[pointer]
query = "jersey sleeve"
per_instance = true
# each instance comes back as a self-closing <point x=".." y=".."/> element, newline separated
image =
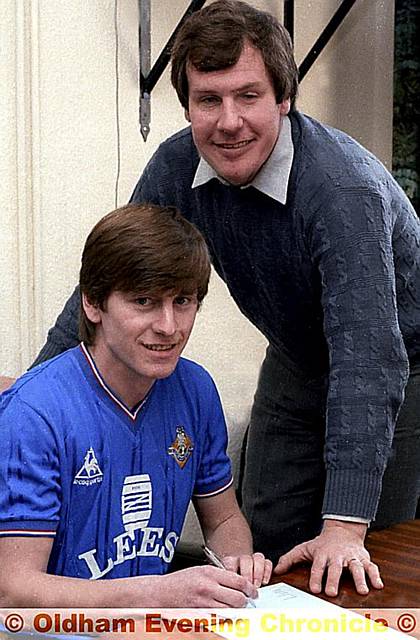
<point x="29" y="472"/>
<point x="215" y="472"/>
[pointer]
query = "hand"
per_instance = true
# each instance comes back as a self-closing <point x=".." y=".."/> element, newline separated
<point x="339" y="545"/>
<point x="206" y="587"/>
<point x="5" y="383"/>
<point x="256" y="568"/>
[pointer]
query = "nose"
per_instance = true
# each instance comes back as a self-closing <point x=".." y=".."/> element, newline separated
<point x="165" y="321"/>
<point x="230" y="118"/>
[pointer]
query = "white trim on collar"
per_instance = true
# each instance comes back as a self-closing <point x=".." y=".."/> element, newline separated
<point x="273" y="177"/>
<point x="101" y="381"/>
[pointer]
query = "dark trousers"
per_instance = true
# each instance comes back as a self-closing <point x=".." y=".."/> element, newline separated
<point x="284" y="475"/>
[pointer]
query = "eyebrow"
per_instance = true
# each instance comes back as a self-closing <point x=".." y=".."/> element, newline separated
<point x="245" y="87"/>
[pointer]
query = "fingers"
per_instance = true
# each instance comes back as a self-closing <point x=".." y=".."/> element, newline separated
<point x="262" y="568"/>
<point x="246" y="567"/>
<point x="317" y="573"/>
<point x="235" y="588"/>
<point x="256" y="568"/>
<point x="231" y="563"/>
<point x="210" y="586"/>
<point x="268" y="570"/>
<point x="287" y="560"/>
<point x="359" y="570"/>
<point x="372" y="570"/>
<point x="335" y="569"/>
<point x="337" y="547"/>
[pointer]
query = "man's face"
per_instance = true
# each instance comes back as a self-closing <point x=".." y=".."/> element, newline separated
<point x="234" y="116"/>
<point x="140" y="338"/>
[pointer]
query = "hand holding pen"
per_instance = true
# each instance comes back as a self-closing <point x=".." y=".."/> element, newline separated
<point x="255" y="567"/>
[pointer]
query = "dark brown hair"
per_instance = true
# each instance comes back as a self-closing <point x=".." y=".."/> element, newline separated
<point x="213" y="39"/>
<point x="141" y="249"/>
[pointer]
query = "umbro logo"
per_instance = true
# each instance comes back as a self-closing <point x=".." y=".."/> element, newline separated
<point x="90" y="472"/>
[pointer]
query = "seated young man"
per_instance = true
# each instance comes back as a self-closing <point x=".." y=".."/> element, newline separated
<point x="104" y="446"/>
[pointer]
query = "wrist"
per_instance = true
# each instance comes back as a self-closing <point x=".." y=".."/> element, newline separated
<point x="145" y="591"/>
<point x="356" y="528"/>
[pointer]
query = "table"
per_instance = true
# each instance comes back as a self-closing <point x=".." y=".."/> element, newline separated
<point x="397" y="552"/>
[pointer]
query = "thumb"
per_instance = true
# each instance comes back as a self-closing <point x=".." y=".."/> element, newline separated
<point x="231" y="563"/>
<point x="287" y="560"/>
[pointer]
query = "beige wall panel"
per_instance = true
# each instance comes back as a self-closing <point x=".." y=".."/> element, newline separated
<point x="350" y="84"/>
<point x="9" y="310"/>
<point x="19" y="183"/>
<point x="77" y="130"/>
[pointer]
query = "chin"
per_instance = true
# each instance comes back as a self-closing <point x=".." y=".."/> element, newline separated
<point x="238" y="179"/>
<point x="164" y="372"/>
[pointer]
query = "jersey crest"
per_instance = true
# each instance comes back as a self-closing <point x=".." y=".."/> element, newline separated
<point x="89" y="472"/>
<point x="181" y="448"/>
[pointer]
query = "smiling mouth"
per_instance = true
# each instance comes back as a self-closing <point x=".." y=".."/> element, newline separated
<point x="159" y="347"/>
<point x="236" y="145"/>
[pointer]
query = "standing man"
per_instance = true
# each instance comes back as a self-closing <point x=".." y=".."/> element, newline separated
<point x="104" y="446"/>
<point x="320" y="248"/>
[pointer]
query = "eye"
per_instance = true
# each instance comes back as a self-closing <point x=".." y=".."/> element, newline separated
<point x="186" y="300"/>
<point x="248" y="96"/>
<point x="209" y="101"/>
<point x="182" y="300"/>
<point x="143" y="301"/>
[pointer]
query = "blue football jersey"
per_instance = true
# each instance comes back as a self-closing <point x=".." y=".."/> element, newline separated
<point x="111" y="485"/>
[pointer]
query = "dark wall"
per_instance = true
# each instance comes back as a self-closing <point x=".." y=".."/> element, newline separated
<point x="406" y="98"/>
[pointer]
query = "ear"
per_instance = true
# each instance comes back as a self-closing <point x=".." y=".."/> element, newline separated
<point x="91" y="310"/>
<point x="187" y="115"/>
<point x="284" y="107"/>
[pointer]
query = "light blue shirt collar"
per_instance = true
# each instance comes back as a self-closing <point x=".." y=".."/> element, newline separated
<point x="273" y="177"/>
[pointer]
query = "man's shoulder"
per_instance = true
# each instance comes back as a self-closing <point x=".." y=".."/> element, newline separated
<point x="45" y="384"/>
<point x="327" y="145"/>
<point x="331" y="158"/>
<point x="192" y="368"/>
<point x="323" y="141"/>
<point x="169" y="173"/>
<point x="195" y="376"/>
<point x="178" y="145"/>
<point x="181" y="137"/>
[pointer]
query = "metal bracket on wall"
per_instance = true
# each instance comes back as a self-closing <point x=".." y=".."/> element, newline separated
<point x="150" y="76"/>
<point x="145" y="53"/>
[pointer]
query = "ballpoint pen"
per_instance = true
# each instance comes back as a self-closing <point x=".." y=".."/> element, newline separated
<point x="214" y="559"/>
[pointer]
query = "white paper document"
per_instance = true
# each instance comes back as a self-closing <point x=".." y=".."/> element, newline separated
<point x="283" y="611"/>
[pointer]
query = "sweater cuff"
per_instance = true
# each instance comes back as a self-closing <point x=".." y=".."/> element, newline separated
<point x="351" y="493"/>
<point x="356" y="519"/>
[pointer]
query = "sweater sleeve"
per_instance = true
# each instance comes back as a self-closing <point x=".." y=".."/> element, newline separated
<point x="65" y="332"/>
<point x="351" y="243"/>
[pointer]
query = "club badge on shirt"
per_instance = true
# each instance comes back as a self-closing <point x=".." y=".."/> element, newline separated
<point x="181" y="448"/>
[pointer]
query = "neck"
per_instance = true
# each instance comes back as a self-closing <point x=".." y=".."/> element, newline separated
<point x="126" y="384"/>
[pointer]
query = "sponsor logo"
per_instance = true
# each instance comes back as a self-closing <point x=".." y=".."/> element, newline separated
<point x="138" y="539"/>
<point x="90" y="472"/>
<point x="136" y="502"/>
